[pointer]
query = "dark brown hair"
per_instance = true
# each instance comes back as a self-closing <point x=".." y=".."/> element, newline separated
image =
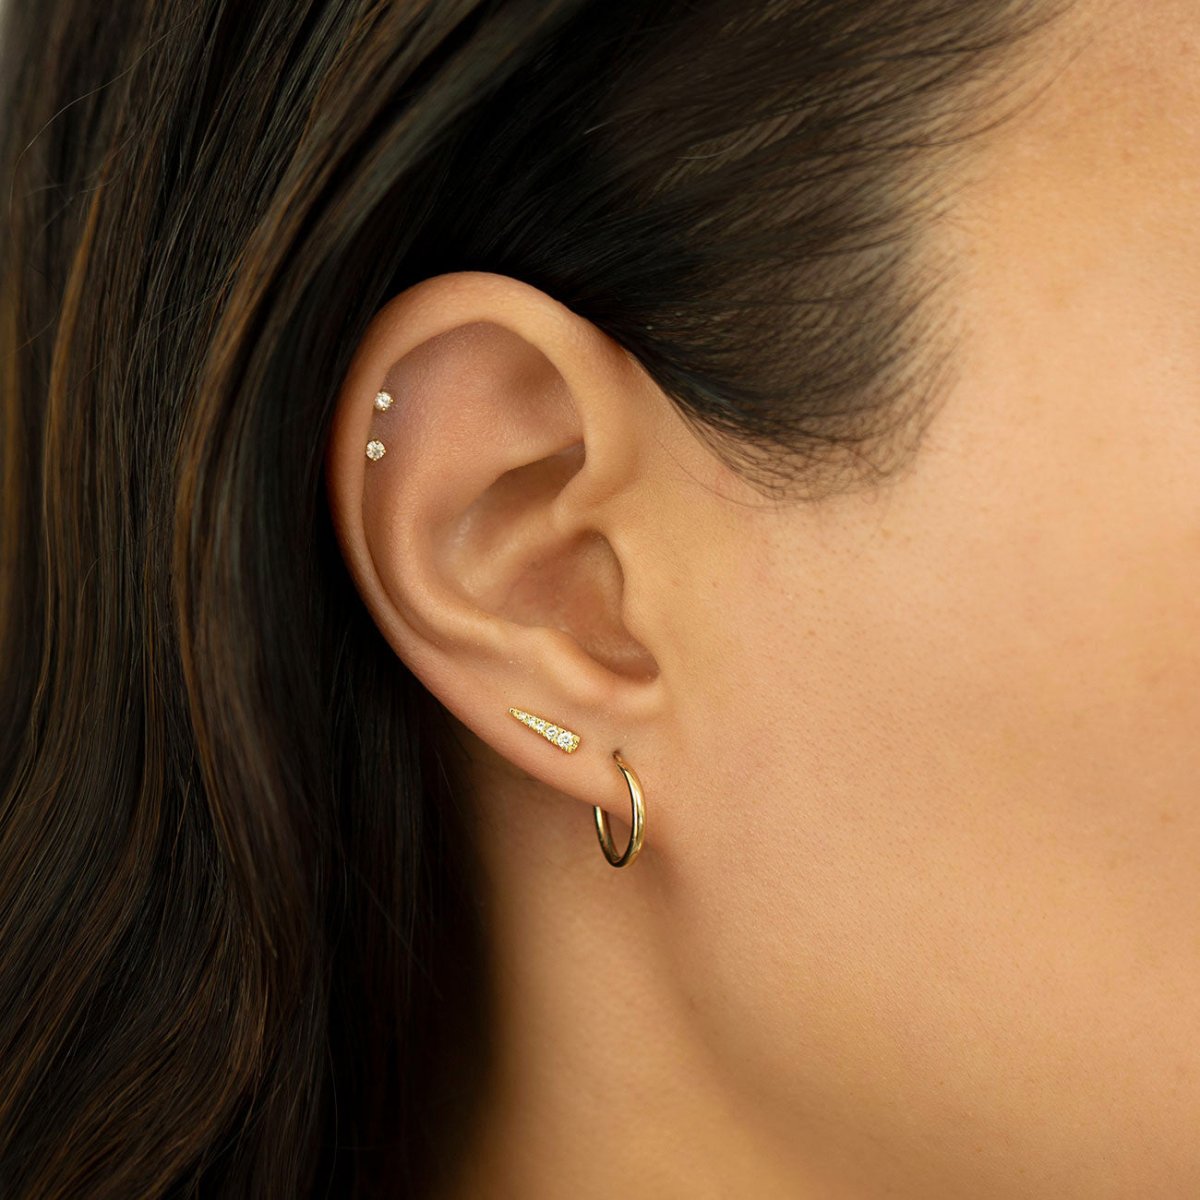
<point x="238" y="949"/>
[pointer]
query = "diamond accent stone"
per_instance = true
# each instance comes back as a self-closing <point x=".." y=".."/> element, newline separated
<point x="383" y="401"/>
<point x="376" y="450"/>
<point x="564" y="739"/>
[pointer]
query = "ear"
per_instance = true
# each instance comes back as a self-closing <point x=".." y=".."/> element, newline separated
<point x="504" y="540"/>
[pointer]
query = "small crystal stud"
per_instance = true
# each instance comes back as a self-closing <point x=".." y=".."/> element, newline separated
<point x="383" y="401"/>
<point x="376" y="450"/>
<point x="564" y="739"/>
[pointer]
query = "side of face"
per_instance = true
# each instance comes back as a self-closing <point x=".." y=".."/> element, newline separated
<point x="921" y="760"/>
<point x="942" y="752"/>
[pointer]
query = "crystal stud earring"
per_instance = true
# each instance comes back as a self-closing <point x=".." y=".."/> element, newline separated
<point x="564" y="739"/>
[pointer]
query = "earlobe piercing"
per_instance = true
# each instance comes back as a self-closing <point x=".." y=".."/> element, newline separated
<point x="375" y="450"/>
<point x="383" y="401"/>
<point x="564" y="739"/>
<point x="637" y="798"/>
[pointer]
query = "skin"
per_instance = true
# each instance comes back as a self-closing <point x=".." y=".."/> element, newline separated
<point x="918" y="910"/>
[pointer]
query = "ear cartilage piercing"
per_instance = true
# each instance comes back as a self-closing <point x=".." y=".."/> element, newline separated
<point x="564" y="739"/>
<point x="376" y="450"/>
<point x="383" y="401"/>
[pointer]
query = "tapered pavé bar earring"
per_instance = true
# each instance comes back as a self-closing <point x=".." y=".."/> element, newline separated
<point x="564" y="739"/>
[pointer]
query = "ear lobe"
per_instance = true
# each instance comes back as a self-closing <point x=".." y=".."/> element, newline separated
<point x="485" y="539"/>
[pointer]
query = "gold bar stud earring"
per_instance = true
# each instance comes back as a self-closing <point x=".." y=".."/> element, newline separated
<point x="564" y="739"/>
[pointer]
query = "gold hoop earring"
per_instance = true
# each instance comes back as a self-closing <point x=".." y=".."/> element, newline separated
<point x="637" y="799"/>
<point x="564" y="739"/>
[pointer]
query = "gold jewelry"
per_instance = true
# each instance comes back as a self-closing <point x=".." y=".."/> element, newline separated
<point x="383" y="401"/>
<point x="375" y="450"/>
<point x="638" y="799"/>
<point x="565" y="740"/>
